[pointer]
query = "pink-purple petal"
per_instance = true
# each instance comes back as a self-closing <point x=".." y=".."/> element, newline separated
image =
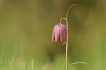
<point x="59" y="32"/>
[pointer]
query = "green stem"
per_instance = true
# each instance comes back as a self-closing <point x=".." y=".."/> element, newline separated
<point x="67" y="35"/>
<point x="67" y="66"/>
<point x="77" y="63"/>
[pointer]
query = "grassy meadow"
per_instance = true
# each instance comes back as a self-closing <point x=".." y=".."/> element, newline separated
<point x="26" y="34"/>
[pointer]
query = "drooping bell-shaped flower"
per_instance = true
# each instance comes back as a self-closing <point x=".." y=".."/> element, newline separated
<point x="59" y="33"/>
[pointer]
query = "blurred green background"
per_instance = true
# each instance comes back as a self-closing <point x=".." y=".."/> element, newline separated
<point x="26" y="31"/>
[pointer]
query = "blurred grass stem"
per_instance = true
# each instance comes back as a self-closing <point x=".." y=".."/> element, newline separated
<point x="2" y="54"/>
<point x="77" y="63"/>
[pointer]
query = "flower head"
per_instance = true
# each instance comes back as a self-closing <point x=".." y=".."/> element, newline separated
<point x="59" y="33"/>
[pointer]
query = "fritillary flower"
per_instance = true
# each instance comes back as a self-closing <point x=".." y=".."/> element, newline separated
<point x="59" y="33"/>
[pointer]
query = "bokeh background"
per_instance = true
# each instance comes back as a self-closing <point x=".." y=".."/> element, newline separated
<point x="26" y="32"/>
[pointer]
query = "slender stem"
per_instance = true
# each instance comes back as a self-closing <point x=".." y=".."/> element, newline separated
<point x="62" y="19"/>
<point x="66" y="55"/>
<point x="67" y="35"/>
<point x="67" y="66"/>
<point x="77" y="63"/>
<point x="68" y="10"/>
